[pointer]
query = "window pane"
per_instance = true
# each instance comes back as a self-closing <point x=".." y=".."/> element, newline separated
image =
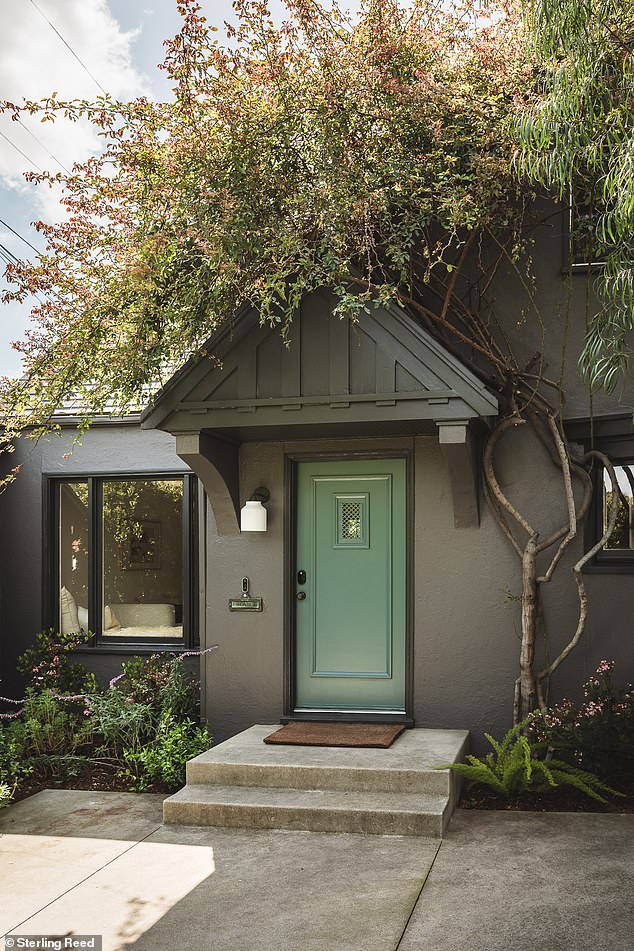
<point x="142" y="558"/>
<point x="623" y="534"/>
<point x="586" y="246"/>
<point x="73" y="556"/>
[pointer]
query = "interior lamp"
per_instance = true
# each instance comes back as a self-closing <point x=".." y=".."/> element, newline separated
<point x="253" y="513"/>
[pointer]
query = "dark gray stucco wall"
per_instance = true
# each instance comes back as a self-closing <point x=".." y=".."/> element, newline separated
<point x="467" y="581"/>
<point x="467" y="610"/>
<point x="466" y="614"/>
<point x="20" y="560"/>
<point x="104" y="449"/>
<point x="541" y="307"/>
<point x="245" y="675"/>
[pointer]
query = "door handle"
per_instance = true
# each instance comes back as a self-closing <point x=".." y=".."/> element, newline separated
<point x="301" y="595"/>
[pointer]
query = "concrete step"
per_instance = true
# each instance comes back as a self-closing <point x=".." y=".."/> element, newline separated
<point x="406" y="766"/>
<point x="310" y="810"/>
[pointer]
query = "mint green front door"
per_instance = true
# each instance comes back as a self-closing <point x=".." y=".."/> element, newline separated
<point x="350" y="586"/>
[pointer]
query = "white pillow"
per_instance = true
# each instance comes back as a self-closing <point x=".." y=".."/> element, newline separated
<point x="68" y="610"/>
<point x="110" y="620"/>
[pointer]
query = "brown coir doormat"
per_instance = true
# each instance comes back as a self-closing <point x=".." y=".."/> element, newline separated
<point x="300" y="733"/>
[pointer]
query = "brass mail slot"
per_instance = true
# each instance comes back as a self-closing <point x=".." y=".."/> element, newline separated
<point x="245" y="604"/>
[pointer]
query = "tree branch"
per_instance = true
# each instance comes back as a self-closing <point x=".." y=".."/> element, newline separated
<point x="571" y="530"/>
<point x="491" y="479"/>
<point x="456" y="273"/>
<point x="497" y="514"/>
<point x="578" y="568"/>
<point x="538" y="428"/>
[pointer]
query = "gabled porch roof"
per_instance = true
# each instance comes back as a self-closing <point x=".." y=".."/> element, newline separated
<point x="382" y="375"/>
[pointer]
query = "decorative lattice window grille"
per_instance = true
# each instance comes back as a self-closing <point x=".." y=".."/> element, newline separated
<point x="351" y="521"/>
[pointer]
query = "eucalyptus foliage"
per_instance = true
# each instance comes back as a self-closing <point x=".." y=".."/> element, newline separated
<point x="577" y="138"/>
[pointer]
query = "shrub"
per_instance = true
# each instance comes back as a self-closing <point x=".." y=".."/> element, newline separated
<point x="160" y="681"/>
<point x="115" y="722"/>
<point x="48" y="665"/>
<point x="46" y="726"/>
<point x="144" y="725"/>
<point x="597" y="734"/>
<point x="516" y="768"/>
<point x="13" y="768"/>
<point x="50" y="734"/>
<point x="164" y="759"/>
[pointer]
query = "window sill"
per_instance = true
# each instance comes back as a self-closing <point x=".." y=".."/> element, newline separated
<point x="133" y="649"/>
<point x="580" y="270"/>
<point x="610" y="568"/>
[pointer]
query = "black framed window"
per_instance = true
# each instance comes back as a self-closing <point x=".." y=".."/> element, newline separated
<point x="619" y="551"/>
<point x="614" y="436"/>
<point x="583" y="247"/>
<point x="122" y="558"/>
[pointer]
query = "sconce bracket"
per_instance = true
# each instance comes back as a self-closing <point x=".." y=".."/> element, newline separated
<point x="261" y="494"/>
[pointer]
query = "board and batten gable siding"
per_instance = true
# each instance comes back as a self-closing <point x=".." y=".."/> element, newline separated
<point x="378" y="374"/>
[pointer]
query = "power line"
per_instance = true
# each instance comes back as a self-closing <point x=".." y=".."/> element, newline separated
<point x="7" y="256"/>
<point x="41" y="144"/>
<point x="18" y="235"/>
<point x="69" y="47"/>
<point x="6" y="251"/>
<point x="23" y="154"/>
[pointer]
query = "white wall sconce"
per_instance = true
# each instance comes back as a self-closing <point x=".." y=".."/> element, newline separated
<point x="253" y="513"/>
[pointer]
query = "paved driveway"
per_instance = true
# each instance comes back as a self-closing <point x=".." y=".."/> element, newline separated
<point x="81" y="863"/>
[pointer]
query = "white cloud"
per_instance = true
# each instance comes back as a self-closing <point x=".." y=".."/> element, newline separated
<point x="35" y="62"/>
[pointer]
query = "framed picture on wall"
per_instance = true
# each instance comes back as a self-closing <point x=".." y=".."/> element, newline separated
<point x="142" y="548"/>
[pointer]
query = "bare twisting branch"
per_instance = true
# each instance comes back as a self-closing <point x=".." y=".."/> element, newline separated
<point x="489" y="472"/>
<point x="570" y="502"/>
<point x="578" y="571"/>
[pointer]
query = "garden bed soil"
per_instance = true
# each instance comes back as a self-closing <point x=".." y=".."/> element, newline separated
<point x="98" y="778"/>
<point x="101" y="778"/>
<point x="560" y="800"/>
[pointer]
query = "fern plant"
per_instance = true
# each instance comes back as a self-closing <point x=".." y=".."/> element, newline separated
<point x="516" y="767"/>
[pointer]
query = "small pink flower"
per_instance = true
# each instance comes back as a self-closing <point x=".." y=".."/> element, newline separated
<point x="605" y="667"/>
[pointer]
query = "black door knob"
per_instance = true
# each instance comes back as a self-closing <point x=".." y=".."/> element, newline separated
<point x="301" y="595"/>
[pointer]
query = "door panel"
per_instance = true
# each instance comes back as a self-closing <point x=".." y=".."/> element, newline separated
<point x="351" y="610"/>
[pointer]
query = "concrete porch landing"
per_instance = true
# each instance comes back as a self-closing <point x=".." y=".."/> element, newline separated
<point x="246" y="783"/>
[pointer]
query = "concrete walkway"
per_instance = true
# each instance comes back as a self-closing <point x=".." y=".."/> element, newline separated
<point x="84" y="863"/>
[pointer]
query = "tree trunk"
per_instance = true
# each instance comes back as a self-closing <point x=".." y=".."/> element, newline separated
<point x="529" y="688"/>
<point x="529" y="629"/>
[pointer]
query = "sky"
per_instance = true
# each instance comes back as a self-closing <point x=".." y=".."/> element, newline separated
<point x="120" y="42"/>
